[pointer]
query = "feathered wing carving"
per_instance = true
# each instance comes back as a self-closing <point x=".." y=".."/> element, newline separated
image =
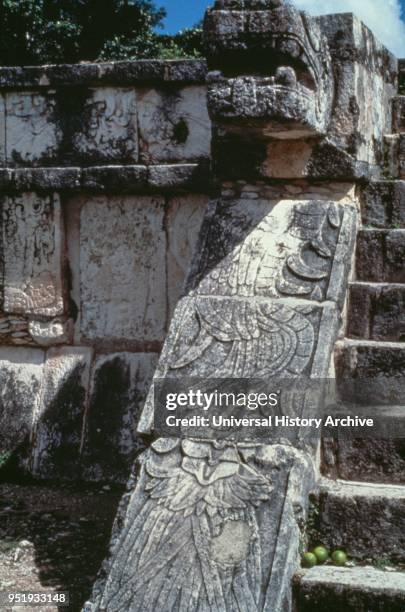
<point x="264" y="338"/>
<point x="191" y="541"/>
<point x="174" y="554"/>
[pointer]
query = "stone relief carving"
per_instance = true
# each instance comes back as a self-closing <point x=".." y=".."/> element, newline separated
<point x="272" y="69"/>
<point x="33" y="136"/>
<point x="202" y="530"/>
<point x="109" y="126"/>
<point x="196" y="496"/>
<point x="32" y="255"/>
<point x="266" y="249"/>
<point x="173" y="125"/>
<point x="242" y="338"/>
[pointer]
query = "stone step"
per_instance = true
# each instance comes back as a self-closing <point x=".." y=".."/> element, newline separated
<point x="366" y="520"/>
<point x="376" y="311"/>
<point x="398" y="114"/>
<point x="383" y="204"/>
<point x="368" y="359"/>
<point x="395" y="155"/>
<point x="380" y="256"/>
<point x="370" y="373"/>
<point x="357" y="589"/>
<point x="401" y="76"/>
<point x="377" y="459"/>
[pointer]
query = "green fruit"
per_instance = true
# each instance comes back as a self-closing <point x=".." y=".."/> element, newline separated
<point x="321" y="554"/>
<point x="308" y="559"/>
<point x="339" y="557"/>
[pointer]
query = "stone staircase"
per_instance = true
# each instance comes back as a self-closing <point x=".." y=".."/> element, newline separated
<point x="360" y="503"/>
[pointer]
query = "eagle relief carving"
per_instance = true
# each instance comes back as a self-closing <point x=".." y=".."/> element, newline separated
<point x="175" y="554"/>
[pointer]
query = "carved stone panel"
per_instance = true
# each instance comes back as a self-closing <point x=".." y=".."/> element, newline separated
<point x="273" y="249"/>
<point x="33" y="252"/>
<point x="174" y="125"/>
<point x="256" y="338"/>
<point x="108" y="127"/>
<point x="208" y="528"/>
<point x="33" y="132"/>
<point x="123" y="269"/>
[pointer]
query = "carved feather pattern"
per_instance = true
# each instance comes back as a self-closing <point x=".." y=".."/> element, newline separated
<point x="263" y="337"/>
<point x="173" y="554"/>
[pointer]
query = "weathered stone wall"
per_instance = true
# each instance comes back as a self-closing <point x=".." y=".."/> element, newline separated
<point x="104" y="182"/>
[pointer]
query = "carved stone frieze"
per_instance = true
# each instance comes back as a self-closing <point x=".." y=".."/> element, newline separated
<point x="33" y="134"/>
<point x="268" y="248"/>
<point x="108" y="127"/>
<point x="32" y="254"/>
<point x="271" y="69"/>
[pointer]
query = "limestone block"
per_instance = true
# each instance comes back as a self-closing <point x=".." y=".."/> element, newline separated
<point x="359" y="122"/>
<point x="355" y="588"/>
<point x="370" y="373"/>
<point x="184" y="220"/>
<point x="33" y="254"/>
<point x="59" y="421"/>
<point x="380" y="256"/>
<point x="123" y="269"/>
<point x="2" y="131"/>
<point x="173" y="125"/>
<point x="399" y="114"/>
<point x="33" y="134"/>
<point x="367" y="460"/>
<point x="48" y="333"/>
<point x="119" y="385"/>
<point x="377" y="312"/>
<point x="383" y="204"/>
<point x="363" y="519"/>
<point x="274" y="248"/>
<point x="108" y="127"/>
<point x="21" y="372"/>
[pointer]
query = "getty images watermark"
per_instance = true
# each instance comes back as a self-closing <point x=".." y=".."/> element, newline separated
<point x="253" y="409"/>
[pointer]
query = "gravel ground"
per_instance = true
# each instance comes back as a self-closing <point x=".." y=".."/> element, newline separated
<point x="54" y="538"/>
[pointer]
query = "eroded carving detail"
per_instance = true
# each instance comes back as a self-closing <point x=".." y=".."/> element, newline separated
<point x="109" y="126"/>
<point x="176" y="555"/>
<point x="272" y="70"/>
<point x="270" y="250"/>
<point x="32" y="255"/>
<point x="33" y="136"/>
<point x="243" y="338"/>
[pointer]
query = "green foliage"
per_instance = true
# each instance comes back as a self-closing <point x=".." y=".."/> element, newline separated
<point x="56" y="31"/>
<point x="4" y="457"/>
<point x="382" y="563"/>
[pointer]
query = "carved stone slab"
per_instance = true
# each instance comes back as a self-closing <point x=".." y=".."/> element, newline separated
<point x="108" y="127"/>
<point x="272" y="249"/>
<point x="173" y="125"/>
<point x="33" y="246"/>
<point x="33" y="132"/>
<point x="173" y="551"/>
<point x="123" y="269"/>
<point x="214" y="525"/>
<point x="257" y="338"/>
